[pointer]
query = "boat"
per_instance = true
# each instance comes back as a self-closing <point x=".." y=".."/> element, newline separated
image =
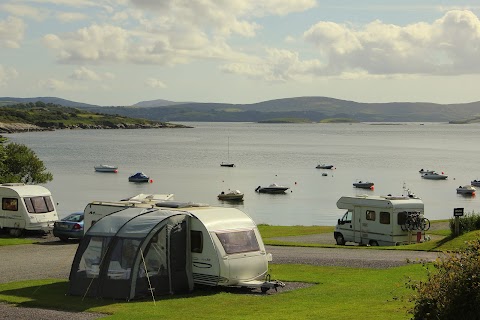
<point x="468" y="189"/>
<point x="363" y="184"/>
<point x="228" y="163"/>
<point x="138" y="177"/>
<point x="426" y="171"/>
<point x="324" y="166"/>
<point x="273" y="188"/>
<point x="475" y="183"/>
<point x="434" y="176"/>
<point x="106" y="168"/>
<point x="234" y="195"/>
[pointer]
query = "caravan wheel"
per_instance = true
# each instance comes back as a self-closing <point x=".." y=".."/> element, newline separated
<point x="15" y="232"/>
<point x="340" y="239"/>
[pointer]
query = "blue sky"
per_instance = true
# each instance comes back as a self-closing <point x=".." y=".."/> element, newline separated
<point x="119" y="52"/>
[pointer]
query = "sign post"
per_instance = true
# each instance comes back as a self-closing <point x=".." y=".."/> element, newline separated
<point x="457" y="213"/>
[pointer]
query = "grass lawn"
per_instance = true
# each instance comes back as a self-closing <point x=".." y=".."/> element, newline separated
<point x="337" y="293"/>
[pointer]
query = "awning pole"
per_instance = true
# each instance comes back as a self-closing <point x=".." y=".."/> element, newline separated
<point x="148" y="278"/>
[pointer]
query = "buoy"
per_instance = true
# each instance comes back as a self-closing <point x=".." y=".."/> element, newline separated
<point x="116" y="171"/>
<point x="372" y="188"/>
<point x="151" y="180"/>
<point x="295" y="182"/>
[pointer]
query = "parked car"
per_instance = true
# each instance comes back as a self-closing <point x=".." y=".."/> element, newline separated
<point x="70" y="227"/>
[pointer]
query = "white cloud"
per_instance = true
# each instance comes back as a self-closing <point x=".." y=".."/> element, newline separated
<point x="95" y="43"/>
<point x="85" y="74"/>
<point x="7" y="74"/>
<point x="449" y="45"/>
<point x="155" y="83"/>
<point x="71" y="16"/>
<point x="56" y="85"/>
<point x="12" y="30"/>
<point x="277" y="66"/>
<point x="21" y="10"/>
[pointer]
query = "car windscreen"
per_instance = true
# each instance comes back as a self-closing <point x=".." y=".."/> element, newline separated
<point x="238" y="241"/>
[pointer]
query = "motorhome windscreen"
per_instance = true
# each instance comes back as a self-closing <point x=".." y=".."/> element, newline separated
<point x="238" y="241"/>
<point x="39" y="204"/>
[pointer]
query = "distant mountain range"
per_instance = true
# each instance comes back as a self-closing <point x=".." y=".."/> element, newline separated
<point x="311" y="109"/>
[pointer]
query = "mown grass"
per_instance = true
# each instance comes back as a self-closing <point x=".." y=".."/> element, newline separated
<point x="335" y="293"/>
<point x="15" y="241"/>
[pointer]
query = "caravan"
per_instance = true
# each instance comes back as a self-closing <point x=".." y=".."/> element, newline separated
<point x="26" y="207"/>
<point x="380" y="220"/>
<point x="225" y="246"/>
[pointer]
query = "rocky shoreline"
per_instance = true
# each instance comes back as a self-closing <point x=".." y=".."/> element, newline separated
<point x="26" y="127"/>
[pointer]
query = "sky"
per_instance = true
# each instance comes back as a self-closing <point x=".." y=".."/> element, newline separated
<point x="120" y="52"/>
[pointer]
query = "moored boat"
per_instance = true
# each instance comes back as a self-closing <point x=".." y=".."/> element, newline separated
<point x="106" y="168"/>
<point x="324" y="166"/>
<point x="468" y="189"/>
<point x="273" y="188"/>
<point x="434" y="176"/>
<point x="363" y="184"/>
<point x="139" y="177"/>
<point x="234" y="195"/>
<point x="426" y="171"/>
<point x="475" y="183"/>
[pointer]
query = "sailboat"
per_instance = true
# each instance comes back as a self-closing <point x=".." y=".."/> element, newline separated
<point x="228" y="163"/>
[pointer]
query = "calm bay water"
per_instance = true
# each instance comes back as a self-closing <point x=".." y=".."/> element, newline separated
<point x="186" y="162"/>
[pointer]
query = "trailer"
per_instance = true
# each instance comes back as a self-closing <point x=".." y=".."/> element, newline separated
<point x="225" y="246"/>
<point x="380" y="220"/>
<point x="26" y="207"/>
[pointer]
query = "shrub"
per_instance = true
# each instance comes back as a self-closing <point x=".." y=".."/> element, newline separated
<point x="469" y="222"/>
<point x="452" y="290"/>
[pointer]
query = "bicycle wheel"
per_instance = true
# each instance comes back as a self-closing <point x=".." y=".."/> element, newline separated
<point x="425" y="224"/>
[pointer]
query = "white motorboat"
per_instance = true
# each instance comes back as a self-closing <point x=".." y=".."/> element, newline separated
<point x="475" y="183"/>
<point x="234" y="195"/>
<point x="273" y="188"/>
<point x="363" y="184"/>
<point x="106" y="168"/>
<point x="468" y="189"/>
<point x="434" y="176"/>
<point x="422" y="171"/>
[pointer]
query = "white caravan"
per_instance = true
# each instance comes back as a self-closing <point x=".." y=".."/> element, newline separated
<point x="378" y="220"/>
<point x="26" y="207"/>
<point x="226" y="246"/>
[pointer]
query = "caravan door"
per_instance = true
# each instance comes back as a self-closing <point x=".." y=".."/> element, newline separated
<point x="361" y="223"/>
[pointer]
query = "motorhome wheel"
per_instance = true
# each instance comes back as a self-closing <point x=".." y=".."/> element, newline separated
<point x="373" y="243"/>
<point x="340" y="239"/>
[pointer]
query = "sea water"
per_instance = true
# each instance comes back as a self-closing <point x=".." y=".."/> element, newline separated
<point x="186" y="162"/>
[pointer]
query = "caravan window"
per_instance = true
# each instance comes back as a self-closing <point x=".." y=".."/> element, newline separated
<point x="196" y="241"/>
<point x="39" y="204"/>
<point x="385" y="217"/>
<point x="370" y="215"/>
<point x="10" y="204"/>
<point x="238" y="241"/>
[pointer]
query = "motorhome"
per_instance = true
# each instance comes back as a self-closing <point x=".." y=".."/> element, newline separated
<point x="226" y="247"/>
<point x="26" y="207"/>
<point x="380" y="220"/>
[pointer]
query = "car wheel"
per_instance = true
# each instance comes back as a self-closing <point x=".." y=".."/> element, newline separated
<point x="64" y="239"/>
<point x="340" y="239"/>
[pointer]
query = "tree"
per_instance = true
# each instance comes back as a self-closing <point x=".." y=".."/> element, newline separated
<point x="20" y="164"/>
